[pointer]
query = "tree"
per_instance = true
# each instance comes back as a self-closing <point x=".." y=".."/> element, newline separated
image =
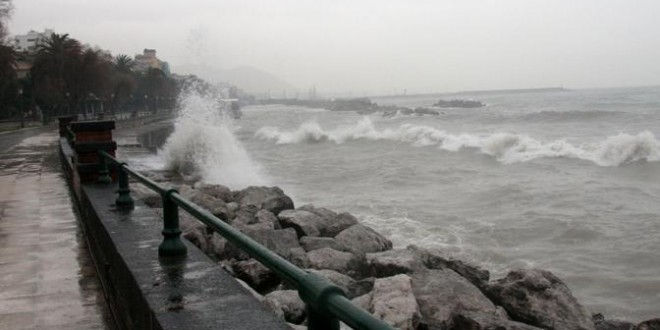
<point x="9" y="84"/>
<point x="6" y="9"/>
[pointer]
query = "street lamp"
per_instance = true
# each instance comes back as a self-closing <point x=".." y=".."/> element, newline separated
<point x="20" y="107"/>
<point x="146" y="103"/>
<point x="68" y="103"/>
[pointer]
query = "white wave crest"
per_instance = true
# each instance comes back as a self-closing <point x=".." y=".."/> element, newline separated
<point x="203" y="145"/>
<point x="505" y="147"/>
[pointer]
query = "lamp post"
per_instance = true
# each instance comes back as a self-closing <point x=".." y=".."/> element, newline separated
<point x="146" y="103"/>
<point x="112" y="104"/>
<point x="20" y="107"/>
<point x="68" y="103"/>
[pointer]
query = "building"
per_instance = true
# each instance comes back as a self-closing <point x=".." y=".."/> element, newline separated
<point x="148" y="60"/>
<point x="29" y="42"/>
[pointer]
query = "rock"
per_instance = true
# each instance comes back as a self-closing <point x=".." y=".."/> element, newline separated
<point x="442" y="292"/>
<point x="245" y="216"/>
<point x="652" y="324"/>
<point x="341" y="222"/>
<point x="310" y="243"/>
<point x="197" y="238"/>
<point x="304" y="222"/>
<point x="322" y="212"/>
<point x="255" y="274"/>
<point x="216" y="190"/>
<point x="393" y="262"/>
<point x="216" y="206"/>
<point x="361" y="287"/>
<point x="298" y="257"/>
<point x="393" y="302"/>
<point x="435" y="259"/>
<point x="484" y="321"/>
<point x="267" y="219"/>
<point x="363" y="301"/>
<point x="218" y="247"/>
<point x="272" y="199"/>
<point x="286" y="304"/>
<point x="343" y="262"/>
<point x="602" y="324"/>
<point x="539" y="298"/>
<point x="343" y="281"/>
<point x="361" y="239"/>
<point x="280" y="241"/>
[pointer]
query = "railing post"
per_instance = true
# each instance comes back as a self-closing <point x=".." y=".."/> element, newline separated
<point x="104" y="173"/>
<point x="319" y="321"/>
<point x="172" y="246"/>
<point x="124" y="200"/>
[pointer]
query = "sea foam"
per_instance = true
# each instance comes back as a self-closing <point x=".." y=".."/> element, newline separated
<point x="203" y="144"/>
<point x="506" y="147"/>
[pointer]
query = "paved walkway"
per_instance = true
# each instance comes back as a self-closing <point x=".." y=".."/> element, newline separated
<point x="47" y="280"/>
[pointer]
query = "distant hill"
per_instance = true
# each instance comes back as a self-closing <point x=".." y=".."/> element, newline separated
<point x="517" y="91"/>
<point x="247" y="78"/>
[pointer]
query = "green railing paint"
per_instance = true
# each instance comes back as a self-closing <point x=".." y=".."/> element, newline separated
<point x="326" y="303"/>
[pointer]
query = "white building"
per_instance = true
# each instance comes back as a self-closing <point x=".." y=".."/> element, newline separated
<point x="29" y="42"/>
<point x="148" y="60"/>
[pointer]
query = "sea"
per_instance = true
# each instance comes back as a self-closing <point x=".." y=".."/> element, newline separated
<point x="567" y="181"/>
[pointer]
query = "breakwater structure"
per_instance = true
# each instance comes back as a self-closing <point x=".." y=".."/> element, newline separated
<point x="294" y="266"/>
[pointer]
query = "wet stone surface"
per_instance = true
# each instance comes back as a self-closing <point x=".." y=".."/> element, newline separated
<point x="47" y="279"/>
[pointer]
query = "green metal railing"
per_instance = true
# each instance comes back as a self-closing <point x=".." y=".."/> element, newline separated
<point x="326" y="303"/>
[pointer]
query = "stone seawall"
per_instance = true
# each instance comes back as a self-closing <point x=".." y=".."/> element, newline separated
<point x="146" y="292"/>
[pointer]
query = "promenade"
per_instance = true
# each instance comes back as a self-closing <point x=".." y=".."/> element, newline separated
<point x="47" y="279"/>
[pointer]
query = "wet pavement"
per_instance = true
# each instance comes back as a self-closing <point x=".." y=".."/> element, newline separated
<point x="47" y="279"/>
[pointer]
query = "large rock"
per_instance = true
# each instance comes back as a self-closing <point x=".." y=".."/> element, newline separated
<point x="338" y="224"/>
<point x="602" y="324"/>
<point x="310" y="243"/>
<point x="322" y="212"/>
<point x="436" y="259"/>
<point x="393" y="302"/>
<point x="345" y="282"/>
<point x="484" y="321"/>
<point x="268" y="198"/>
<point x="539" y="298"/>
<point x="298" y="257"/>
<point x="304" y="222"/>
<point x="287" y="305"/>
<point x="343" y="262"/>
<point x="442" y="292"/>
<point x="216" y="206"/>
<point x="652" y="324"/>
<point x="393" y="262"/>
<point x="255" y="274"/>
<point x="216" y="190"/>
<point x="363" y="301"/>
<point x="360" y="239"/>
<point x="267" y="219"/>
<point x="280" y="241"/>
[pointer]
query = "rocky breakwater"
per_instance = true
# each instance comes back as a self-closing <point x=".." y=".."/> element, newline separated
<point x="410" y="288"/>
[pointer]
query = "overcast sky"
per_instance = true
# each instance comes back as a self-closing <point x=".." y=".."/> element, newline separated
<point x="379" y="46"/>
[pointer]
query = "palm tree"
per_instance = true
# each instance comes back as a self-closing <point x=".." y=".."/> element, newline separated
<point x="124" y="63"/>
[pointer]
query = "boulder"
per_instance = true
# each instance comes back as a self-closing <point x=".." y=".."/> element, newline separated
<point x="393" y="301"/>
<point x="337" y="278"/>
<point x="392" y="262"/>
<point x="216" y="190"/>
<point x="287" y="305"/>
<point x="484" y="321"/>
<point x="363" y="301"/>
<point x="304" y="222"/>
<point x="322" y="212"/>
<point x="218" y="247"/>
<point x="343" y="262"/>
<point x="436" y="259"/>
<point x="298" y="257"/>
<point x="442" y="292"/>
<point x="267" y="219"/>
<point x="197" y="238"/>
<point x="245" y="216"/>
<point x="247" y="287"/>
<point x="268" y="198"/>
<point x="280" y="241"/>
<point x="255" y="274"/>
<point x="652" y="324"/>
<point x="539" y="298"/>
<point x="361" y="287"/>
<point x="147" y="196"/>
<point x="310" y="243"/>
<point x="338" y="224"/>
<point x="602" y="324"/>
<point x="360" y="239"/>
<point x="216" y="206"/>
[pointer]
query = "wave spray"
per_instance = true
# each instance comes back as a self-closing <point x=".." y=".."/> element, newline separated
<point x="203" y="145"/>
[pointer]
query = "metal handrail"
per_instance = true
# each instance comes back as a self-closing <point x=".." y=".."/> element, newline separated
<point x="326" y="302"/>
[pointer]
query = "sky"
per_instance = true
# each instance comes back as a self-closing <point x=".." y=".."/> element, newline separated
<point x="379" y="47"/>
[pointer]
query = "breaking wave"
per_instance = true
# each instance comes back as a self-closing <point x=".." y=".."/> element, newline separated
<point x="203" y="145"/>
<point x="505" y="147"/>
